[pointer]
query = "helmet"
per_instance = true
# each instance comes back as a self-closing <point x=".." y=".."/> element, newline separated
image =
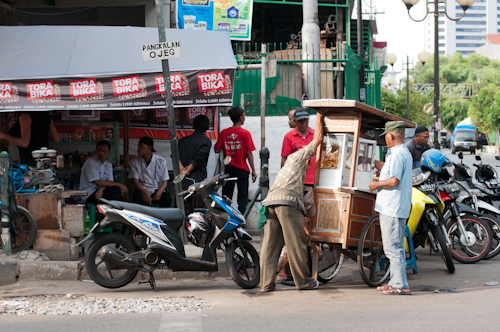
<point x="197" y="228"/>
<point x="434" y="160"/>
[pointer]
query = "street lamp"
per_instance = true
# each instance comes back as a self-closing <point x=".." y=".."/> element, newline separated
<point x="423" y="57"/>
<point x="465" y="4"/>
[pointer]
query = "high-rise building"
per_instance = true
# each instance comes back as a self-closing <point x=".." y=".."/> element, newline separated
<point x="466" y="35"/>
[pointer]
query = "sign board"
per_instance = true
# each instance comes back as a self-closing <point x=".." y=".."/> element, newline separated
<point x="161" y="51"/>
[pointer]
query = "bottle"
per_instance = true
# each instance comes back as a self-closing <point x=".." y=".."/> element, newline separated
<point x="86" y="222"/>
<point x="70" y="164"/>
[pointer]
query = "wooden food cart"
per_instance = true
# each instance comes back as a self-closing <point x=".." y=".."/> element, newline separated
<point x="344" y="168"/>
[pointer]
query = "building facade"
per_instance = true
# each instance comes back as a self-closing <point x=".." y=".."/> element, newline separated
<point x="469" y="33"/>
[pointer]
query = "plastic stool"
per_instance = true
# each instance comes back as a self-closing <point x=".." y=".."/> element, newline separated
<point x="411" y="263"/>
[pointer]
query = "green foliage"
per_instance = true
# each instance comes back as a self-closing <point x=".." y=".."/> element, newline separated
<point x="482" y="108"/>
<point x="394" y="101"/>
<point x="453" y="111"/>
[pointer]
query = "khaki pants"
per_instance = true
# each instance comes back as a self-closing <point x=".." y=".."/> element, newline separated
<point x="285" y="225"/>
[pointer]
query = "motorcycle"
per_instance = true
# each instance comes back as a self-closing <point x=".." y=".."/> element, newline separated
<point x="471" y="237"/>
<point x="480" y="198"/>
<point x="153" y="242"/>
<point x="426" y="222"/>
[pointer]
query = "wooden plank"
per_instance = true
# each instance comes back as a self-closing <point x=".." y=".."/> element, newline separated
<point x="43" y="207"/>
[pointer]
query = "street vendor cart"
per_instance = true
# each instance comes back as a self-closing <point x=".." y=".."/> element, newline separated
<point x="345" y="220"/>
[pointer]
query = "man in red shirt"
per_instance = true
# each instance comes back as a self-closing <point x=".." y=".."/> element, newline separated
<point x="298" y="138"/>
<point x="237" y="143"/>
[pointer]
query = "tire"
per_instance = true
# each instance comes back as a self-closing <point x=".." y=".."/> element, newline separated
<point x="373" y="265"/>
<point x="330" y="263"/>
<point x="243" y="264"/>
<point x="445" y="250"/>
<point x="25" y="233"/>
<point x="97" y="272"/>
<point x="480" y="245"/>
<point x="494" y="224"/>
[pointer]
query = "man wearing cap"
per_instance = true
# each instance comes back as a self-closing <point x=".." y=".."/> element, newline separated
<point x="393" y="203"/>
<point x="149" y="175"/>
<point x="418" y="145"/>
<point x="297" y="139"/>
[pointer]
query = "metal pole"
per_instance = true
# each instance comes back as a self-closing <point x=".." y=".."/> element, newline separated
<point x="263" y="75"/>
<point x="362" y="91"/>
<point x="408" y="87"/>
<point x="310" y="48"/>
<point x="436" y="73"/>
<point x="169" y="105"/>
<point x="4" y="174"/>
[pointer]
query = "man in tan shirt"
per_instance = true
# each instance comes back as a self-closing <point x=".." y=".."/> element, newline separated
<point x="285" y="219"/>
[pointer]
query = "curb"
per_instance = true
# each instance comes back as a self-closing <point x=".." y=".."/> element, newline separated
<point x="489" y="155"/>
<point x="8" y="271"/>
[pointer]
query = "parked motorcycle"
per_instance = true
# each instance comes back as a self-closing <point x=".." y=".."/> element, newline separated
<point x="426" y="222"/>
<point x="480" y="198"/>
<point x="153" y="242"/>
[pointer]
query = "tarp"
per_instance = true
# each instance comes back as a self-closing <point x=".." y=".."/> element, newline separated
<point x="88" y="67"/>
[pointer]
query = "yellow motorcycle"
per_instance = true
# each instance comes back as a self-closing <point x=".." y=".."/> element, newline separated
<point x="426" y="222"/>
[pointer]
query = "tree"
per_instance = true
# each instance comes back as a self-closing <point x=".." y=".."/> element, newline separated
<point x="453" y="111"/>
<point x="480" y="108"/>
<point x="394" y="102"/>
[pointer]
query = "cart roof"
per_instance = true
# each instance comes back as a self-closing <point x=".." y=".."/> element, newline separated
<point x="370" y="115"/>
<point x="65" y="51"/>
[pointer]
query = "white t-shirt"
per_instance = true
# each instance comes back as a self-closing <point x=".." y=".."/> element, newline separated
<point x="93" y="170"/>
<point x="150" y="176"/>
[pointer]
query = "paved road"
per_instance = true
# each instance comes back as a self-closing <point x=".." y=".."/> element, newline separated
<point x="462" y="303"/>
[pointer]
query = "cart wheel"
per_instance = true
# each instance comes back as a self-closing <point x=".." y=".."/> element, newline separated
<point x="372" y="263"/>
<point x="329" y="263"/>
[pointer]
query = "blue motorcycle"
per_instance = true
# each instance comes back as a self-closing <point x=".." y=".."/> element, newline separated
<point x="151" y="240"/>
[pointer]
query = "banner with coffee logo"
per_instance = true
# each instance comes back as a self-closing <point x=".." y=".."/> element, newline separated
<point x="119" y="92"/>
<point x="234" y="16"/>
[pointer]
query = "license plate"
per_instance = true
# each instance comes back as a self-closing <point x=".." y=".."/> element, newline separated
<point x="493" y="183"/>
<point x="451" y="187"/>
<point x="428" y="187"/>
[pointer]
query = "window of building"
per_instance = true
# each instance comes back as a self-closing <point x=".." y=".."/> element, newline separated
<point x="467" y="15"/>
<point x="465" y="52"/>
<point x="441" y="30"/>
<point x="441" y="37"/>
<point x="441" y="45"/>
<point x="472" y="37"/>
<point x="471" y="23"/>
<point x="470" y="30"/>
<point x="473" y="8"/>
<point x="468" y="45"/>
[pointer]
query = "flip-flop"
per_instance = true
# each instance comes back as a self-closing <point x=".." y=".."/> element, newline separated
<point x="384" y="287"/>
<point x="315" y="285"/>
<point x="398" y="291"/>
<point x="281" y="277"/>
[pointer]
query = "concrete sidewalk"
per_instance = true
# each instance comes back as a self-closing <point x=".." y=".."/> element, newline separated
<point x="14" y="268"/>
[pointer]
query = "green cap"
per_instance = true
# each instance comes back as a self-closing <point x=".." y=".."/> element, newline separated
<point x="392" y="126"/>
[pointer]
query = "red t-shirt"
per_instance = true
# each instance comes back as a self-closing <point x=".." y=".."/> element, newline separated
<point x="237" y="142"/>
<point x="292" y="142"/>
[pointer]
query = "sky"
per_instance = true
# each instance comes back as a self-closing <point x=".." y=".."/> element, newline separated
<point x="404" y="37"/>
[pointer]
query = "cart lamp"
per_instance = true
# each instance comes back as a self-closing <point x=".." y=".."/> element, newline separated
<point x="410" y="3"/>
<point x="391" y="80"/>
<point x="423" y="57"/>
<point x="391" y="58"/>
<point x="465" y="4"/>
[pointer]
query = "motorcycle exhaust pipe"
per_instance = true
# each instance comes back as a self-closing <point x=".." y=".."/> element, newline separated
<point x="118" y="258"/>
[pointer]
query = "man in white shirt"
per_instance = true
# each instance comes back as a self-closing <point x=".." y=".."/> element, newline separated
<point x="149" y="175"/>
<point x="97" y="177"/>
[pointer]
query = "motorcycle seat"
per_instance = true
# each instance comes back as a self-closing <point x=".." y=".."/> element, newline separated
<point x="167" y="215"/>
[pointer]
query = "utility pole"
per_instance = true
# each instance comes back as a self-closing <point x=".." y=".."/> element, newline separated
<point x="310" y="48"/>
<point x="169" y="105"/>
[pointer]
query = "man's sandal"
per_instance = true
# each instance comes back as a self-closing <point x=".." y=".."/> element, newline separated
<point x="395" y="291"/>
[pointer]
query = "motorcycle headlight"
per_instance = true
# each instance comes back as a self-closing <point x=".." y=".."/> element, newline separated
<point x="420" y="178"/>
<point x="476" y="192"/>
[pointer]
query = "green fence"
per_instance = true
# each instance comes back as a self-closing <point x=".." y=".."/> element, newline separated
<point x="339" y="78"/>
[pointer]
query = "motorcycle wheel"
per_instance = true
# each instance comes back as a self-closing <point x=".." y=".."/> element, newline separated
<point x="478" y="247"/>
<point x="25" y="233"/>
<point x="494" y="224"/>
<point x="243" y="264"/>
<point x="445" y="250"/>
<point x="330" y="263"/>
<point x="105" y="274"/>
<point x="373" y="265"/>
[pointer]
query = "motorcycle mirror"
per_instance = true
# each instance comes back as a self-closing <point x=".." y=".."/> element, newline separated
<point x="497" y="157"/>
<point x="460" y="155"/>
<point x="227" y="160"/>
<point x="478" y="158"/>
<point x="179" y="178"/>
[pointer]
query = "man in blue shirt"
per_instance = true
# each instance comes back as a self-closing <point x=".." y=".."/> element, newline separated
<point x="394" y="204"/>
